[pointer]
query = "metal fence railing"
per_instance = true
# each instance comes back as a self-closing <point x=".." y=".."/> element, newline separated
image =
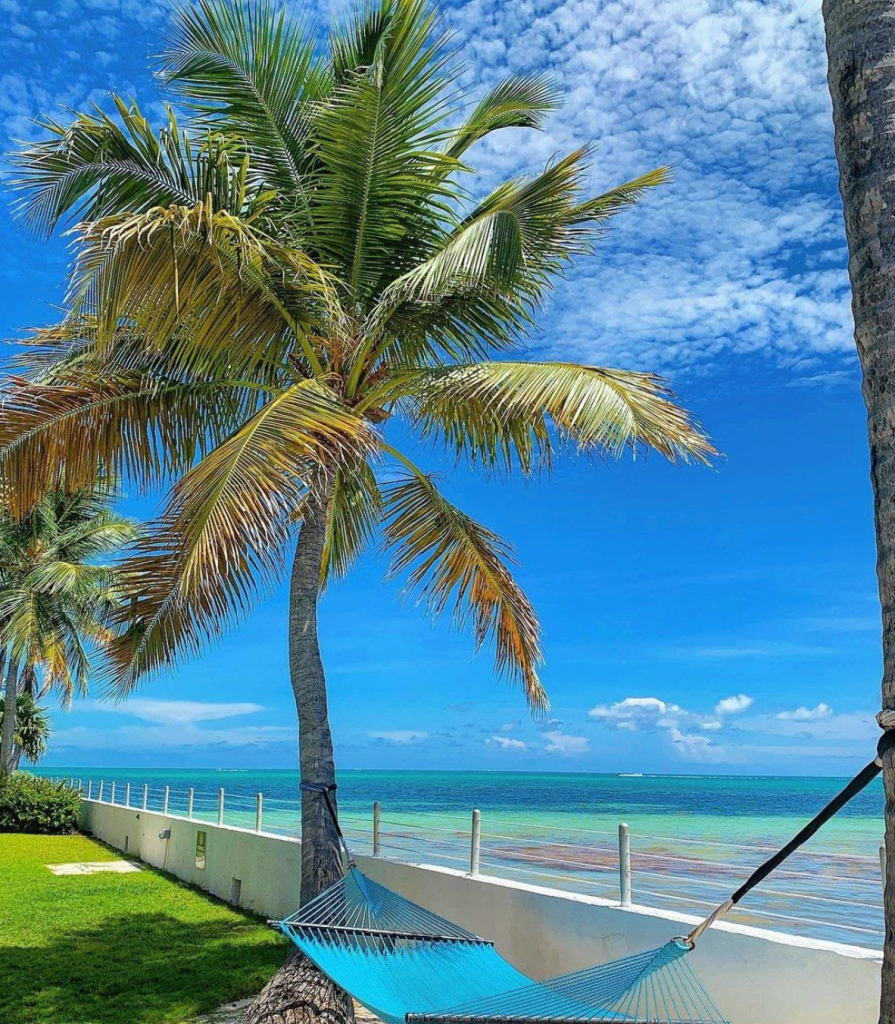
<point x="819" y="894"/>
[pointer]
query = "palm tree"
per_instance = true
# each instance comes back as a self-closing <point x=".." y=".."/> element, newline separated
<point x="861" y="76"/>
<point x="56" y="602"/>
<point x="32" y="729"/>
<point x="268" y="301"/>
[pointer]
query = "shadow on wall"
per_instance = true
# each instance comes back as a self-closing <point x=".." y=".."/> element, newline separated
<point x="134" y="969"/>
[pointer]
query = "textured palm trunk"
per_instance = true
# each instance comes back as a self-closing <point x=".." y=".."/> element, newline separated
<point x="8" y="731"/>
<point x="299" y="993"/>
<point x="860" y="48"/>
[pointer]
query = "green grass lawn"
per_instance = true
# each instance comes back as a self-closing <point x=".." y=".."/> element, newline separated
<point x="138" y="948"/>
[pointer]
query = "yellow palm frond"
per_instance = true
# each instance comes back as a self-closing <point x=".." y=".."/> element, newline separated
<point x="454" y="562"/>
<point x="221" y="539"/>
<point x="88" y="426"/>
<point x="202" y="285"/>
<point x="500" y="412"/>
<point x="352" y="516"/>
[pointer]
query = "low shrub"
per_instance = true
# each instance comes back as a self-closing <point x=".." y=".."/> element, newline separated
<point x="32" y="804"/>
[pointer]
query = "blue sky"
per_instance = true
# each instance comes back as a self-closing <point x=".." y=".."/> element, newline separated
<point x="694" y="620"/>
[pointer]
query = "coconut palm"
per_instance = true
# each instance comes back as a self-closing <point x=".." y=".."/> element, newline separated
<point x="268" y="302"/>
<point x="56" y="603"/>
<point x="861" y="77"/>
<point x="32" y="729"/>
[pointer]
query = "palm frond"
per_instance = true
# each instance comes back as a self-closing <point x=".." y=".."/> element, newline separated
<point x="517" y="102"/>
<point x="453" y="562"/>
<point x="608" y="204"/>
<point x="221" y="539"/>
<point x="352" y="516"/>
<point x="499" y="413"/>
<point x="200" y="285"/>
<point x="381" y="191"/>
<point x="89" y="425"/>
<point x="248" y="69"/>
<point x="96" y="167"/>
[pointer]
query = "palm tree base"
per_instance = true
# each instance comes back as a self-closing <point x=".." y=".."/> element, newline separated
<point x="300" y="994"/>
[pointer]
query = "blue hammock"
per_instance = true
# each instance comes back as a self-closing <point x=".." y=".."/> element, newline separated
<point x="410" y="966"/>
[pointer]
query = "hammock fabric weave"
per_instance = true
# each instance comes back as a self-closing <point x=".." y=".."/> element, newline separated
<point x="410" y="966"/>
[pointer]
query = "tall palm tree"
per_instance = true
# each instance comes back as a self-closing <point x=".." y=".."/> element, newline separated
<point x="56" y="599"/>
<point x="861" y="76"/>
<point x="268" y="301"/>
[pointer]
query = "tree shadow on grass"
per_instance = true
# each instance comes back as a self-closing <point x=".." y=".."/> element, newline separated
<point x="136" y="969"/>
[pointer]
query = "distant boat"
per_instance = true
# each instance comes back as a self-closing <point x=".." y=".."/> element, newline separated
<point x="629" y="775"/>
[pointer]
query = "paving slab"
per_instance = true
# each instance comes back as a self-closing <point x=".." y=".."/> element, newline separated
<point x="94" y="867"/>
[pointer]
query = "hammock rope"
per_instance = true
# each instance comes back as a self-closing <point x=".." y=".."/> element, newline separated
<point x="408" y="965"/>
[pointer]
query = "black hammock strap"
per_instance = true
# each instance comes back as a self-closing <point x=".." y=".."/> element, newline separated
<point x="325" y="791"/>
<point x="863" y="779"/>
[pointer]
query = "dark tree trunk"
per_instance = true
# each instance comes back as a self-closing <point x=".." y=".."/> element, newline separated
<point x="861" y="75"/>
<point x="299" y="993"/>
<point x="8" y="730"/>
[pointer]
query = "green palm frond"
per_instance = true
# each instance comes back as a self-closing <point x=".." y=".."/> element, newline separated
<point x="251" y="70"/>
<point x="380" y="193"/>
<point x="454" y="563"/>
<point x="57" y="595"/>
<point x="32" y="727"/>
<point x="96" y="167"/>
<point x="602" y="207"/>
<point x="352" y="517"/>
<point x="198" y="284"/>
<point x="518" y="102"/>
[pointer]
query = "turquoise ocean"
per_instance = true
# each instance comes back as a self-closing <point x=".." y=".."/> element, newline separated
<point x="693" y="838"/>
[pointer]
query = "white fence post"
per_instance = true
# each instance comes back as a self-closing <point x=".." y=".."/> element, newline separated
<point x="90" y="789"/>
<point x="165" y="801"/>
<point x="220" y="806"/>
<point x="145" y="795"/>
<point x="189" y="803"/>
<point x="259" y="811"/>
<point x="475" y="848"/>
<point x="377" y="827"/>
<point x="624" y="864"/>
<point x="112" y="793"/>
<point x="127" y="795"/>
<point x="100" y="794"/>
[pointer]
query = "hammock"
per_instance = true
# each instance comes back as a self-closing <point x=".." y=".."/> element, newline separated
<point x="407" y="965"/>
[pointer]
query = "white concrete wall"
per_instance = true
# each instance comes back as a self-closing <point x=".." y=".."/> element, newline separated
<point x="756" y="976"/>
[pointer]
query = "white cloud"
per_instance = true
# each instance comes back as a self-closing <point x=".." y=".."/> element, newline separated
<point x="505" y="743"/>
<point x="734" y="705"/>
<point x="634" y="711"/>
<point x="400" y="736"/>
<point x="743" y="252"/>
<point x="560" y="743"/>
<point x="177" y="712"/>
<point x="510" y="726"/>
<point x="693" y="747"/>
<point x="803" y="714"/>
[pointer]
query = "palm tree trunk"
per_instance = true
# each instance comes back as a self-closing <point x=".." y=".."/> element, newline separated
<point x="8" y="731"/>
<point x="861" y="75"/>
<point x="299" y="993"/>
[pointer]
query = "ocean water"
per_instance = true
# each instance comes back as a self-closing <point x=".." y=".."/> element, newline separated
<point x="694" y="839"/>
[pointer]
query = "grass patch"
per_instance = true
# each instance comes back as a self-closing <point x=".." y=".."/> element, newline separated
<point x="139" y="948"/>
